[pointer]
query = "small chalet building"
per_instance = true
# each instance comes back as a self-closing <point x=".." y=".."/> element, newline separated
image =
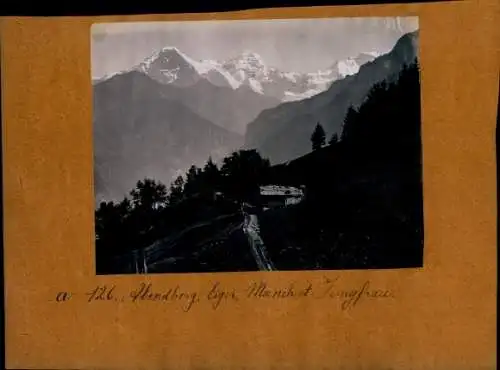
<point x="280" y="196"/>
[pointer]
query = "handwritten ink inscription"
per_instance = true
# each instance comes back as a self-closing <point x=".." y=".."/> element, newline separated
<point x="100" y="293"/>
<point x="146" y="292"/>
<point x="63" y="296"/>
<point x="218" y="295"/>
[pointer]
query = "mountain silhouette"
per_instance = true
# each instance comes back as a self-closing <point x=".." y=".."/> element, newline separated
<point x="139" y="131"/>
<point x="283" y="133"/>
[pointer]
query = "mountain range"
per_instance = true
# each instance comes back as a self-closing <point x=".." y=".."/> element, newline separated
<point x="171" y="66"/>
<point x="170" y="111"/>
<point x="139" y="132"/>
<point x="283" y="133"/>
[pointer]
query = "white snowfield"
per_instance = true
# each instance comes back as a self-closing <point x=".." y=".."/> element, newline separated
<point x="172" y="66"/>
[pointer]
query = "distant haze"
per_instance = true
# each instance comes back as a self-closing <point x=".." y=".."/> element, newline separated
<point x="296" y="45"/>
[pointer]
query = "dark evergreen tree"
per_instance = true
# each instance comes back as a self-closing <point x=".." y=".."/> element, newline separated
<point x="194" y="182"/>
<point x="350" y="123"/>
<point x="243" y="171"/>
<point x="318" y="137"/>
<point x="107" y="221"/>
<point x="176" y="191"/>
<point x="113" y="234"/>
<point x="334" y="139"/>
<point x="149" y="197"/>
<point x="149" y="194"/>
<point x="211" y="176"/>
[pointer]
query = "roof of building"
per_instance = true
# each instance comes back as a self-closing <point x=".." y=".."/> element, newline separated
<point x="281" y="190"/>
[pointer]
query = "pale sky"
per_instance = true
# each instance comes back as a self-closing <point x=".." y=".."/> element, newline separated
<point x="293" y="45"/>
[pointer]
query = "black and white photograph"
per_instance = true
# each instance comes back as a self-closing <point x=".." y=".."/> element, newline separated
<point x="257" y="145"/>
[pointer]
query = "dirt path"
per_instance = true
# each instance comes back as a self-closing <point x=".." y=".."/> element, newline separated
<point x="252" y="231"/>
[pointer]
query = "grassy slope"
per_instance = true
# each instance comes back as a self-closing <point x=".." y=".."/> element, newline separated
<point x="218" y="245"/>
<point x="353" y="217"/>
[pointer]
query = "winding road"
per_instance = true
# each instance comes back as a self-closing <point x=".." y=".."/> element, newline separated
<point x="251" y="230"/>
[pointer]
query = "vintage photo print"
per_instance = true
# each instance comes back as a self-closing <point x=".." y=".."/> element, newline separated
<point x="225" y="146"/>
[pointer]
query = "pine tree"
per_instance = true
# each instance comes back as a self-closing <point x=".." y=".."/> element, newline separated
<point x="211" y="176"/>
<point x="149" y="194"/>
<point x="334" y="139"/>
<point x="176" y="191"/>
<point x="243" y="171"/>
<point x="193" y="184"/>
<point x="350" y="125"/>
<point x="318" y="137"/>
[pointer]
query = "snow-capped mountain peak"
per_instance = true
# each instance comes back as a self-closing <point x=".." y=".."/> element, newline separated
<point x="248" y="69"/>
<point x="321" y="80"/>
<point x="351" y="65"/>
<point x="346" y="67"/>
<point x="168" y="54"/>
<point x="171" y="66"/>
<point x="248" y="59"/>
<point x="366" y="57"/>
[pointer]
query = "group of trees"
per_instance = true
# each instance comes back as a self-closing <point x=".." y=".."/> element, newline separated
<point x="318" y="138"/>
<point x="152" y="210"/>
<point x="367" y="211"/>
<point x="374" y="200"/>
